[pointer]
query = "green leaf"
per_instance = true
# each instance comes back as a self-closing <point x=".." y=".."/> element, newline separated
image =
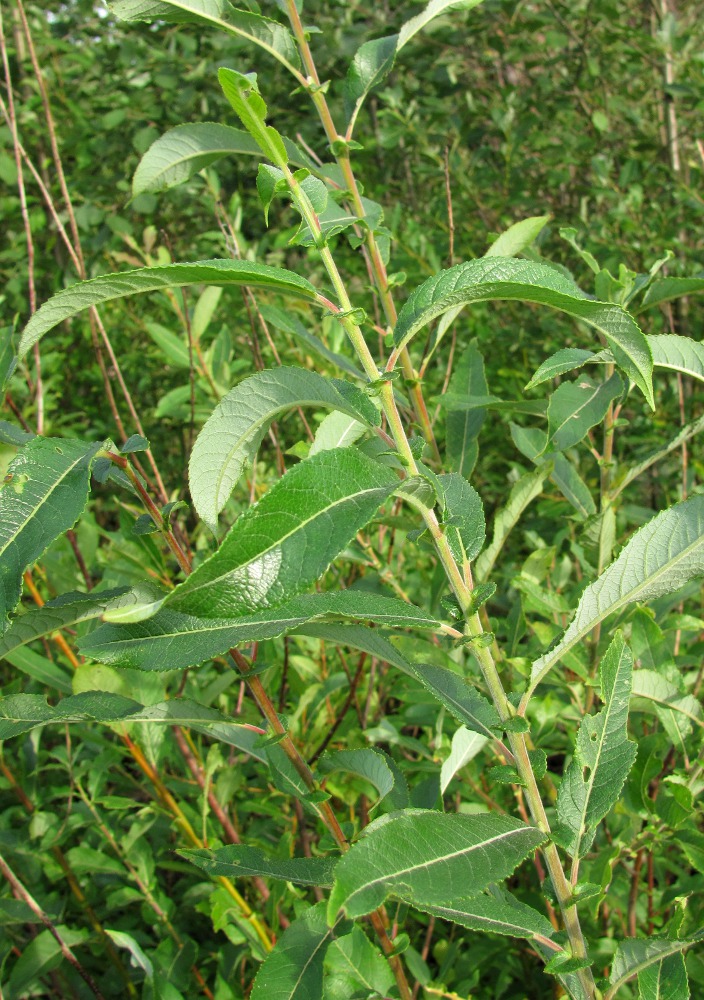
<point x="63" y="612"/>
<point x="464" y="515"/>
<point x="21" y="713"/>
<point x="43" y="494"/>
<point x="288" y="539"/>
<point x="667" y="289"/>
<point x="71" y="301"/>
<point x="374" y="60"/>
<point x="242" y="92"/>
<point x="294" y="969"/>
<point x="465" y="747"/>
<point x="658" y="559"/>
<point x="39" y="957"/>
<point x="233" y="432"/>
<point x="666" y="980"/>
<point x="337" y="430"/>
<point x="463" y="426"/>
<point x="528" y="487"/>
<point x="352" y="964"/>
<point x="634" y="956"/>
<point x="184" y="150"/>
<point x="518" y="236"/>
<point x="532" y="442"/>
<point x="563" y="361"/>
<point x="425" y="858"/>
<point x="267" y="34"/>
<point x="39" y="668"/>
<point x="675" y="710"/>
<point x="503" y="278"/>
<point x="679" y="354"/>
<point x="239" y="861"/>
<point x="374" y="766"/>
<point x="459" y="697"/>
<point x="575" y="407"/>
<point x="496" y="912"/>
<point x="290" y="324"/>
<point x="8" y="361"/>
<point x="603" y="756"/>
<point x="170" y="640"/>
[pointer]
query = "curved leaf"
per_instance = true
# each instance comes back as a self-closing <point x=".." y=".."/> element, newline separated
<point x="464" y="516"/>
<point x="71" y="301"/>
<point x="679" y="354"/>
<point x="170" y="641"/>
<point x="465" y="747"/>
<point x="504" y="278"/>
<point x="518" y="236"/>
<point x="267" y="34"/>
<point x="374" y="766"/>
<point x="426" y="858"/>
<point x="576" y="407"/>
<point x="184" y="150"/>
<point x="658" y="559"/>
<point x="240" y="861"/>
<point x="667" y="289"/>
<point x="635" y="954"/>
<point x="43" y="494"/>
<point x="235" y="429"/>
<point x="522" y="493"/>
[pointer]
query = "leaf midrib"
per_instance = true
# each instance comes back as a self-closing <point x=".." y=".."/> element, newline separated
<point x="15" y="534"/>
<point x="277" y="544"/>
<point x="430" y="864"/>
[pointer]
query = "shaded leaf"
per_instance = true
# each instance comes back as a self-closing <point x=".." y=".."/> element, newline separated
<point x="562" y="361"/>
<point x="496" y="912"/>
<point x="603" y="756"/>
<point x="679" y="354"/>
<point x="352" y="962"/>
<point x="575" y="407"/>
<point x="374" y="766"/>
<point x="465" y="747"/>
<point x="458" y="696"/>
<point x="532" y="442"/>
<point x="528" y="487"/>
<point x="667" y="289"/>
<point x="240" y="861"/>
<point x="635" y="955"/>
<point x="464" y="515"/>
<point x="62" y="612"/>
<point x="462" y="425"/>
<point x="294" y="969"/>
<point x="666" y="980"/>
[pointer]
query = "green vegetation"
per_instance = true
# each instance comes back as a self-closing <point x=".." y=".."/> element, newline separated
<point x="352" y="522"/>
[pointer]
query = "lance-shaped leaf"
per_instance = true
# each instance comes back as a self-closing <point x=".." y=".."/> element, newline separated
<point x="181" y="152"/>
<point x="635" y="955"/>
<point x="21" y="713"/>
<point x="459" y="697"/>
<point x="678" y="354"/>
<point x="374" y="766"/>
<point x="289" y="323"/>
<point x="240" y="861"/>
<point x="233" y="432"/>
<point x="522" y="493"/>
<point x="262" y="31"/>
<point x="465" y="747"/>
<point x="497" y="912"/>
<point x="562" y="361"/>
<point x="42" y="496"/>
<point x="425" y="858"/>
<point x="286" y="541"/>
<point x="603" y="756"/>
<point x="107" y="287"/>
<point x="374" y="60"/>
<point x="63" y="612"/>
<point x="170" y="640"/>
<point x="464" y="516"/>
<point x="658" y="559"/>
<point x="575" y="407"/>
<point x="517" y="237"/>
<point x="355" y="968"/>
<point x="462" y="425"/>
<point x="532" y="442"/>
<point x="294" y="969"/>
<point x="502" y="278"/>
<point x="667" y="289"/>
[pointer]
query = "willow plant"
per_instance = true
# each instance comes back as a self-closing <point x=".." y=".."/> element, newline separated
<point x="376" y="450"/>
